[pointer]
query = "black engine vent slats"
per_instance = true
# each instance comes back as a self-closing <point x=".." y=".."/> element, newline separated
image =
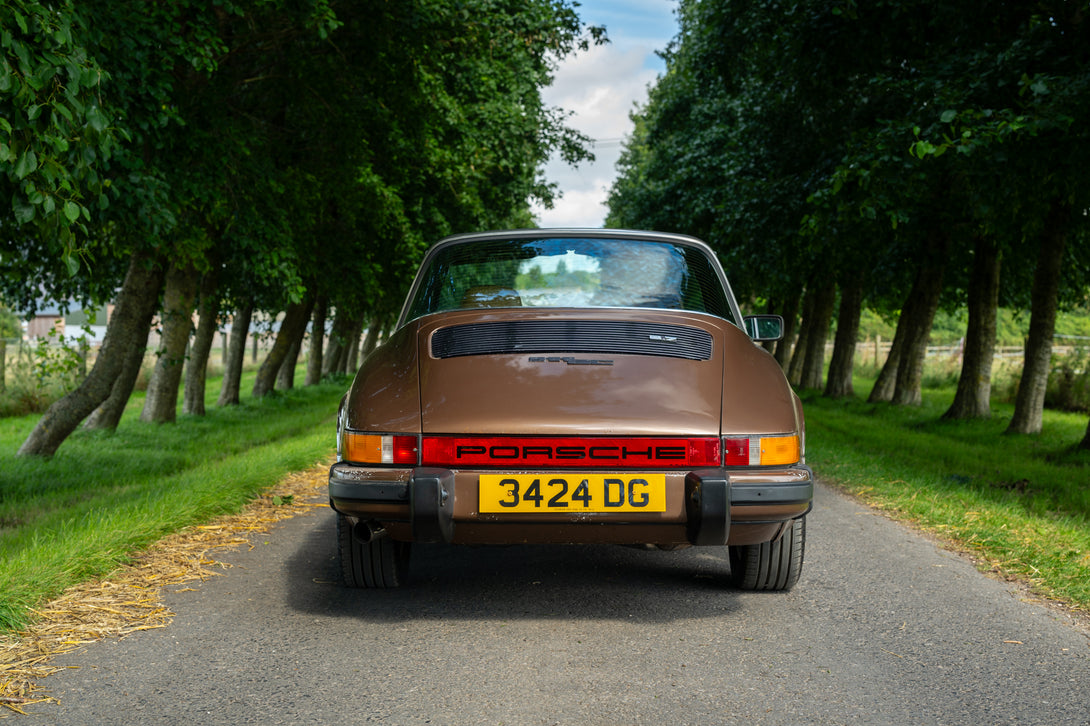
<point x="572" y="336"/>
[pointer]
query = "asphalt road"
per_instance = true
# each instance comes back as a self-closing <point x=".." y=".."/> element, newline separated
<point x="884" y="628"/>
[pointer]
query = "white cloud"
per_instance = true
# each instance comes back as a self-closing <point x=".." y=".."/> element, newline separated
<point x="601" y="87"/>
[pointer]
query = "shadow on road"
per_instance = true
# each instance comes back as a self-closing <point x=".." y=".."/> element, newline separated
<point x="525" y="581"/>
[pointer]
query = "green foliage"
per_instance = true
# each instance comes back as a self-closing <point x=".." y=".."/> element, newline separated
<point x="1069" y="382"/>
<point x="39" y="374"/>
<point x="562" y="277"/>
<point x="806" y="140"/>
<point x="9" y="324"/>
<point x="304" y="142"/>
<point x="1018" y="504"/>
<point x="70" y="518"/>
<point x="55" y="133"/>
<point x="1012" y="327"/>
<point x="295" y="148"/>
<point x="57" y="358"/>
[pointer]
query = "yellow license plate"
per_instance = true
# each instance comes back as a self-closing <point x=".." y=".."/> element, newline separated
<point x="572" y="493"/>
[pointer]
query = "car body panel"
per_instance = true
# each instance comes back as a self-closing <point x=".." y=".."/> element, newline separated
<point x="385" y="395"/>
<point x="608" y="393"/>
<point x="497" y="369"/>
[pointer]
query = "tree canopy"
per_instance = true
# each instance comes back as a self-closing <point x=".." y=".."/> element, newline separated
<point x="889" y="146"/>
<point x="292" y="150"/>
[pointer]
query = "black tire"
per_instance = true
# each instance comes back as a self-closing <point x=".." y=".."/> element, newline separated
<point x="381" y="563"/>
<point x="770" y="565"/>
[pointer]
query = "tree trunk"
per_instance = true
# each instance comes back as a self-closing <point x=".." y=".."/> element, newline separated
<point x="108" y="415"/>
<point x="822" y="315"/>
<point x="839" y="383"/>
<point x="127" y="329"/>
<point x="973" y="397"/>
<point x="887" y="377"/>
<point x="196" y="369"/>
<point x="317" y="342"/>
<point x="798" y="356"/>
<point x="1085" y="443"/>
<point x="1030" y="402"/>
<point x="338" y="345"/>
<point x="790" y="313"/>
<point x="352" y="359"/>
<point x="292" y="328"/>
<point x="920" y="316"/>
<point x="236" y="356"/>
<point x="285" y="377"/>
<point x="370" y="341"/>
<point x="161" y="403"/>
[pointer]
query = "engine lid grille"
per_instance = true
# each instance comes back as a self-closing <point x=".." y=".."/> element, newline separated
<point x="572" y="336"/>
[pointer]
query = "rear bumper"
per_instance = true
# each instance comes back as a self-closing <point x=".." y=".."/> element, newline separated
<point x="704" y="507"/>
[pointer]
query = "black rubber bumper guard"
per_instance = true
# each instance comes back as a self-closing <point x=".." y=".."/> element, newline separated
<point x="707" y="506"/>
<point x="429" y="494"/>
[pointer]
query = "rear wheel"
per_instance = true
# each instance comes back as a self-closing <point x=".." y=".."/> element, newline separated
<point x="380" y="563"/>
<point x="770" y="565"/>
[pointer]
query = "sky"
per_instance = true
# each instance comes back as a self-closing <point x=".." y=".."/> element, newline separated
<point x="600" y="88"/>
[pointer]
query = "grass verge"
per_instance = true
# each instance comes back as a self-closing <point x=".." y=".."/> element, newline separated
<point x="1020" y="505"/>
<point x="104" y="496"/>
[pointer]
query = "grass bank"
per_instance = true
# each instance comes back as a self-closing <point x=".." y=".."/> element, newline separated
<point x="104" y="496"/>
<point x="1019" y="504"/>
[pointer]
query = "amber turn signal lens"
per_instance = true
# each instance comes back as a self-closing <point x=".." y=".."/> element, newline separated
<point x="761" y="450"/>
<point x="779" y="450"/>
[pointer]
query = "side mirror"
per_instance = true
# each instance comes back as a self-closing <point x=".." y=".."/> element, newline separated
<point x="764" y="328"/>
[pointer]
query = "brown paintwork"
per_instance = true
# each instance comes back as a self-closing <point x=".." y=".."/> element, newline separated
<point x="385" y="396"/>
<point x="402" y="389"/>
<point x="741" y="390"/>
<point x="509" y="394"/>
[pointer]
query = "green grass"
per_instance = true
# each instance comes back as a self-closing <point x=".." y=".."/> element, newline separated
<point x="105" y="496"/>
<point x="1019" y="504"/>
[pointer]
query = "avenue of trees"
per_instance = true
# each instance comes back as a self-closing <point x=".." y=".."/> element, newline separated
<point x="899" y="154"/>
<point x="258" y="156"/>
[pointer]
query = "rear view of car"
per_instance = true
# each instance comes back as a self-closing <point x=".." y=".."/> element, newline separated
<point x="547" y="386"/>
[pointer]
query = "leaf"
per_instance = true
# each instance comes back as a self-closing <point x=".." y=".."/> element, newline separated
<point x="61" y="109"/>
<point x="948" y="115"/>
<point x="96" y="118"/>
<point x="72" y="263"/>
<point x="23" y="212"/>
<point x="24" y="58"/>
<point x="89" y="77"/>
<point x="27" y="163"/>
<point x="71" y="211"/>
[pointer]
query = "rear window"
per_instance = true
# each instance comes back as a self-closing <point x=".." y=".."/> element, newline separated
<point x="569" y="272"/>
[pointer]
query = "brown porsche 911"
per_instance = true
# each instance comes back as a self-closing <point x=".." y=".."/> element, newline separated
<point x="572" y="386"/>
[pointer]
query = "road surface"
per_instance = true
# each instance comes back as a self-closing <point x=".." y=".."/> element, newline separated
<point x="883" y="628"/>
